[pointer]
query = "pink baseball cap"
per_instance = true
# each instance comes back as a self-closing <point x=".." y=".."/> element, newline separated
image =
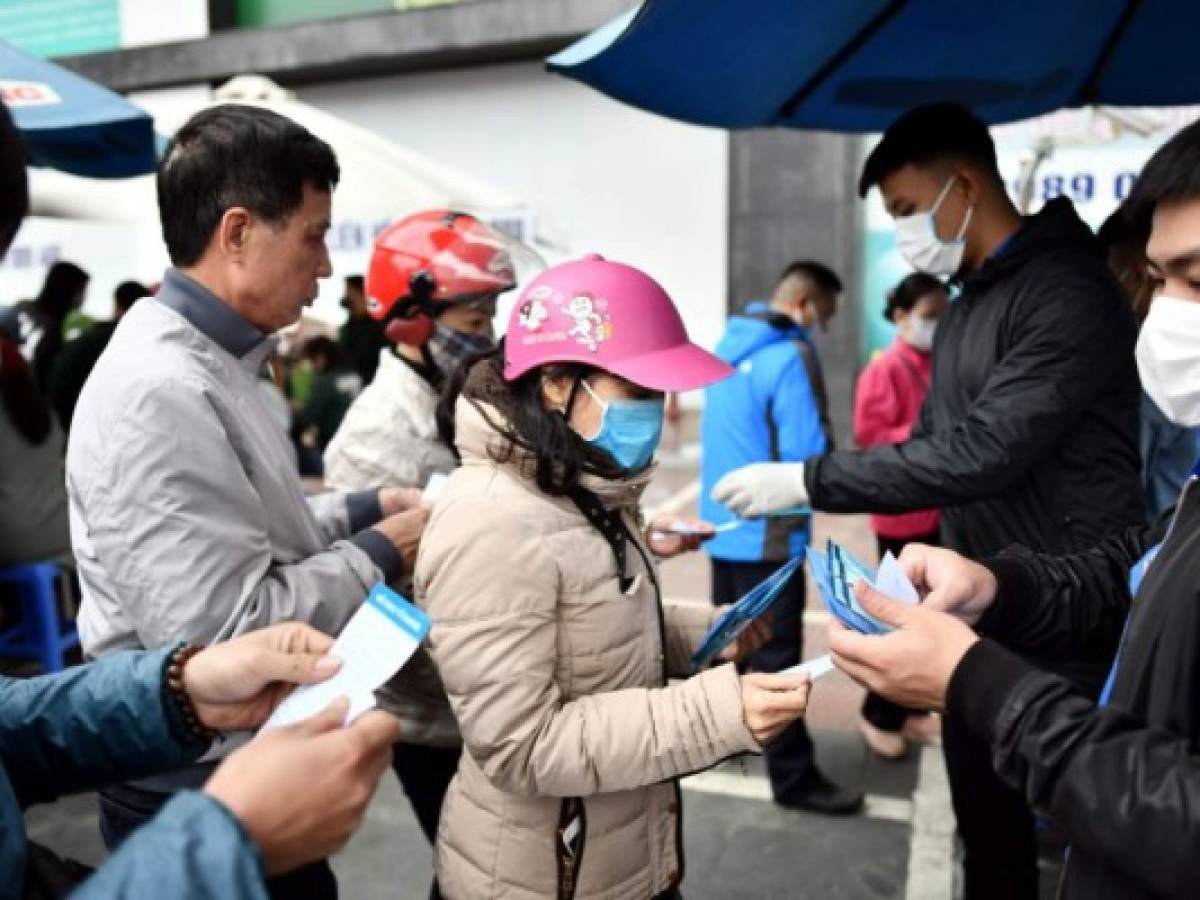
<point x="611" y="316"/>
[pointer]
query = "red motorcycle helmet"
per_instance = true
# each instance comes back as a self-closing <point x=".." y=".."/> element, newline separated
<point x="429" y="261"/>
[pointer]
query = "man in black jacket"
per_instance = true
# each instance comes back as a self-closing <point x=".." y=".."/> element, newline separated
<point x="1028" y="434"/>
<point x="1122" y="778"/>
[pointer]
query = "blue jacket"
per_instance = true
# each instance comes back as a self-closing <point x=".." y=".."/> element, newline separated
<point x="107" y="722"/>
<point x="771" y="409"/>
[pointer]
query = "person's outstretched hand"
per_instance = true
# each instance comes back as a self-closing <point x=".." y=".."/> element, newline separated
<point x="771" y="702"/>
<point x="404" y="530"/>
<point x="912" y="665"/>
<point x="301" y="790"/>
<point x="948" y="582"/>
<point x="665" y="539"/>
<point x="236" y="684"/>
<point x="762" y="488"/>
<point x="394" y="500"/>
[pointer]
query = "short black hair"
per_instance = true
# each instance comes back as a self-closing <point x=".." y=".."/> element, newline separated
<point x="818" y="273"/>
<point x="236" y="155"/>
<point x="1172" y="173"/>
<point x="14" y="181"/>
<point x="908" y="291"/>
<point x="61" y="288"/>
<point x="930" y="133"/>
<point x="129" y="293"/>
<point x="326" y="347"/>
<point x="355" y="281"/>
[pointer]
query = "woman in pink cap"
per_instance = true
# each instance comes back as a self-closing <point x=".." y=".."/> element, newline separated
<point x="550" y="631"/>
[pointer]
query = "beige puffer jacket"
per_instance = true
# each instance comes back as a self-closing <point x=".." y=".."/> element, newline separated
<point x="557" y="679"/>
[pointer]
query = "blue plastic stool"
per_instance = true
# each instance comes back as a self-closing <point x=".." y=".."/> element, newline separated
<point x="41" y="635"/>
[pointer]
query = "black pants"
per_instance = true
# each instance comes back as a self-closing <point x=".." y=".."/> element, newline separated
<point x="995" y="824"/>
<point x="790" y="756"/>
<point x="884" y="714"/>
<point x="124" y="808"/>
<point x="425" y="774"/>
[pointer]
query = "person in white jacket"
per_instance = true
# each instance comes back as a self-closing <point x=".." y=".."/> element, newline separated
<point x="433" y="281"/>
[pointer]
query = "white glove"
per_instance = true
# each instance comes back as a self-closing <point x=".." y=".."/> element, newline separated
<point x="762" y="488"/>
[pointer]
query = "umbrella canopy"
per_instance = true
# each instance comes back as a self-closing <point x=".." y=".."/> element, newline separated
<point x="73" y="124"/>
<point x="380" y="180"/>
<point x="855" y="65"/>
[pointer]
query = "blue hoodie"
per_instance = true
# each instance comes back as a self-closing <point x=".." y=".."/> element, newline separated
<point x="767" y="411"/>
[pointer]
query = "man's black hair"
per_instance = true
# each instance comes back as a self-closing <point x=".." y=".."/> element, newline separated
<point x="1173" y="173"/>
<point x="129" y="293"/>
<point x="323" y="347"/>
<point x="14" y="182"/>
<point x="818" y="273"/>
<point x="908" y="291"/>
<point x="61" y="289"/>
<point x="355" y="281"/>
<point x="236" y="155"/>
<point x="926" y="134"/>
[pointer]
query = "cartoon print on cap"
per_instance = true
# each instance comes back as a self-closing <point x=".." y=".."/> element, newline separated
<point x="591" y="328"/>
<point x="533" y="314"/>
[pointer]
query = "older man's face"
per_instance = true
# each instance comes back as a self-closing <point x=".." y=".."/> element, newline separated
<point x="282" y="263"/>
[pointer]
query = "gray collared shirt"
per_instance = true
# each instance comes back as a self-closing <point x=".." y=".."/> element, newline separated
<point x="188" y="520"/>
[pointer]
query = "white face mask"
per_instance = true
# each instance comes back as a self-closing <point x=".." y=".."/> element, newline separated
<point x="917" y="238"/>
<point x="918" y="332"/>
<point x="1168" y="358"/>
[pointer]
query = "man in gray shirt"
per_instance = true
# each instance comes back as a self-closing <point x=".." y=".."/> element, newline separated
<point x="188" y="519"/>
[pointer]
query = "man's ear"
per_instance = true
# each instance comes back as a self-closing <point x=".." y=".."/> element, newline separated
<point x="973" y="185"/>
<point x="233" y="232"/>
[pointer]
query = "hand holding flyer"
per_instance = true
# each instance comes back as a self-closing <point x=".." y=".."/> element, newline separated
<point x="737" y="618"/>
<point x="377" y="642"/>
<point x="836" y="572"/>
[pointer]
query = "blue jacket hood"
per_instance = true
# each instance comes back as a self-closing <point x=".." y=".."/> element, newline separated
<point x="754" y="329"/>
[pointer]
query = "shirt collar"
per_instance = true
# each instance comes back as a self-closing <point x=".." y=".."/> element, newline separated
<point x="209" y="314"/>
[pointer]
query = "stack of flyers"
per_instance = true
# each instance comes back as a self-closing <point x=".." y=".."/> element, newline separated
<point x="836" y="572"/>
<point x="738" y="617"/>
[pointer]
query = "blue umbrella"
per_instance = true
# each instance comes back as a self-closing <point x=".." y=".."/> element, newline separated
<point x="855" y="65"/>
<point x="73" y="124"/>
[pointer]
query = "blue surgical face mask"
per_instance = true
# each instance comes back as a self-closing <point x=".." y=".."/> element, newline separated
<point x="629" y="429"/>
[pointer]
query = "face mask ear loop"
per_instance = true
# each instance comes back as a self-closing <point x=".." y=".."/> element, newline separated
<point x="595" y="399"/>
<point x="966" y="222"/>
<point x="942" y="196"/>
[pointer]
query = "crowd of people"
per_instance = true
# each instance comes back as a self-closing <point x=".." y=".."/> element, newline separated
<point x="541" y="731"/>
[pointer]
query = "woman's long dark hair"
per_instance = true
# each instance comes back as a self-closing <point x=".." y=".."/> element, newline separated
<point x="560" y="455"/>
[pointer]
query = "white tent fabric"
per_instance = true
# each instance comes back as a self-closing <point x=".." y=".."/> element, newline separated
<point x="380" y="180"/>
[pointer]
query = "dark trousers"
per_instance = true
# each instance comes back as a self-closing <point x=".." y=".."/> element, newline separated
<point x="884" y="714"/>
<point x="996" y="826"/>
<point x="124" y="808"/>
<point x="790" y="756"/>
<point x="425" y="774"/>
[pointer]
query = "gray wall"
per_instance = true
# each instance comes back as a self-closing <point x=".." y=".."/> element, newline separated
<point x="792" y="196"/>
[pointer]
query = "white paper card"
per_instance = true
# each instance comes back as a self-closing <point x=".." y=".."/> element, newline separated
<point x="891" y="580"/>
<point x="378" y="640"/>
<point x="813" y="668"/>
<point x="433" y="488"/>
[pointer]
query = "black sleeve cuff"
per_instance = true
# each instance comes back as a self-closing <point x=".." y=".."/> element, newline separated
<point x="382" y="552"/>
<point x="364" y="509"/>
<point x="982" y="684"/>
<point x="1016" y="588"/>
<point x="811" y="483"/>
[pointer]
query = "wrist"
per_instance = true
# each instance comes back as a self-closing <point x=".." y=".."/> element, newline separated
<point x="185" y="720"/>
